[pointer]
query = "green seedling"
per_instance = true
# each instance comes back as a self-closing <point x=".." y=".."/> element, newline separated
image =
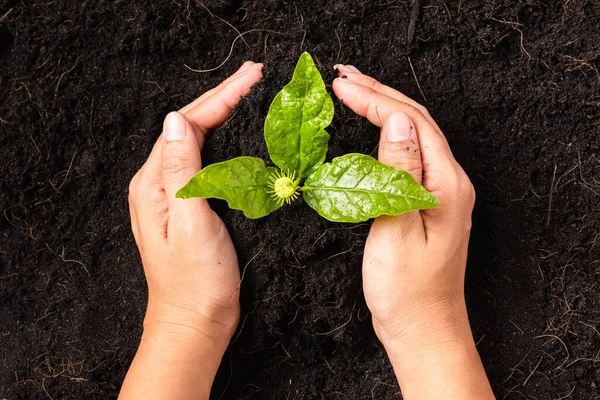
<point x="351" y="188"/>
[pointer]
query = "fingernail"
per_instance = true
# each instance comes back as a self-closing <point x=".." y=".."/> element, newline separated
<point x="174" y="127"/>
<point x="258" y="66"/>
<point x="346" y="68"/>
<point x="246" y="65"/>
<point x="398" y="127"/>
<point x="342" y="68"/>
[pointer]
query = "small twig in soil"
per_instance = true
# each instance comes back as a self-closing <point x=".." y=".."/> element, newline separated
<point x="341" y="326"/>
<point x="66" y="176"/>
<point x="338" y="229"/>
<point x="533" y="371"/>
<point x="302" y="42"/>
<point x="62" y="257"/>
<point x="592" y="360"/>
<point x="337" y="57"/>
<point x="44" y="316"/>
<point x="91" y="123"/>
<point x="414" y="16"/>
<point x="222" y="20"/>
<point x="328" y="366"/>
<point x="26" y="227"/>
<point x="230" y="375"/>
<point x="378" y="382"/>
<point x="554" y="337"/>
<point x="550" y="195"/>
<point x="516" y="368"/>
<point x="242" y="325"/>
<point x="416" y="79"/>
<point x="515" y="25"/>
<point x="447" y="10"/>
<point x="578" y="65"/>
<point x="568" y="395"/>
<point x="587" y="184"/>
<point x="516" y="326"/>
<point x="341" y="253"/>
<point x="39" y="152"/>
<point x="237" y="289"/>
<point x="265" y="46"/>
<point x="157" y="85"/>
<point x="50" y="397"/>
<point x="6" y="15"/>
<point x="479" y="341"/>
<point x="230" y="50"/>
<point x="63" y="74"/>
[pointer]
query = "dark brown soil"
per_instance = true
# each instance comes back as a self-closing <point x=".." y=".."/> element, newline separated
<point x="84" y="86"/>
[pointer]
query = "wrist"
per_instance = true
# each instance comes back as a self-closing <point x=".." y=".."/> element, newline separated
<point x="187" y="357"/>
<point x="192" y="326"/>
<point x="428" y="324"/>
<point x="439" y="359"/>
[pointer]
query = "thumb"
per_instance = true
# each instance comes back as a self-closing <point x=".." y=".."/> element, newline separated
<point x="399" y="148"/>
<point x="399" y="145"/>
<point x="180" y="153"/>
<point x="180" y="162"/>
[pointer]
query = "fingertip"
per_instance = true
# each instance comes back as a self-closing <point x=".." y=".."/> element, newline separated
<point x="246" y="65"/>
<point x="346" y="68"/>
<point x="338" y="83"/>
<point x="175" y="127"/>
<point x="398" y="127"/>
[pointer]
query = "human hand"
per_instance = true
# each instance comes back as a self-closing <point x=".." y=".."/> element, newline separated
<point x="189" y="260"/>
<point x="414" y="263"/>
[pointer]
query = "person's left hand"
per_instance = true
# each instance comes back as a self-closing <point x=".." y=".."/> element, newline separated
<point x="189" y="260"/>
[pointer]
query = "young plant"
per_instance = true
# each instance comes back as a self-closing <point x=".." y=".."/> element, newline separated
<point x="352" y="188"/>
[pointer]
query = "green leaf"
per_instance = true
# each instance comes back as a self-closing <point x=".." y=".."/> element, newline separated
<point x="356" y="187"/>
<point x="294" y="127"/>
<point x="241" y="181"/>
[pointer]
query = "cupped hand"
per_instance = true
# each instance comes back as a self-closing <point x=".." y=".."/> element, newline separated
<point x="189" y="260"/>
<point x="414" y="264"/>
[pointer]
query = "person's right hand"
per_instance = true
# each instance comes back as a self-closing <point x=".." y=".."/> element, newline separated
<point x="414" y="263"/>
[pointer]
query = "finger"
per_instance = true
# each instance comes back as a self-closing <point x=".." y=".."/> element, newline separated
<point x="133" y="212"/>
<point x="441" y="173"/>
<point x="399" y="148"/>
<point x="180" y="161"/>
<point x="399" y="145"/>
<point x="148" y="205"/>
<point x="214" y="109"/>
<point x="354" y="75"/>
<point x="244" y="68"/>
<point x="376" y="107"/>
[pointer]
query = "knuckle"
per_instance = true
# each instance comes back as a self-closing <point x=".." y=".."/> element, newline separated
<point x="472" y="195"/>
<point x="133" y="187"/>
<point x="423" y="110"/>
<point x="462" y="193"/>
<point x="466" y="189"/>
<point x="415" y="110"/>
<point x="453" y="184"/>
<point x="188" y="227"/>
<point x="155" y="195"/>
<point x="176" y="161"/>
